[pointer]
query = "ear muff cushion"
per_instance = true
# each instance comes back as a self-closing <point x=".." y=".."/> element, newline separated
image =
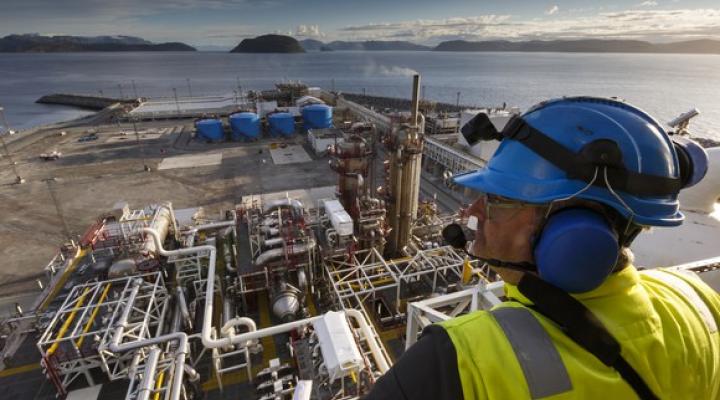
<point x="576" y="250"/>
<point x="692" y="159"/>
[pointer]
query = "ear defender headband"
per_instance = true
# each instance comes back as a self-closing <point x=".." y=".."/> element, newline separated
<point x="576" y="250"/>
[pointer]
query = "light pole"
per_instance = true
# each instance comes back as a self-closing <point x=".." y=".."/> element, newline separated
<point x="140" y="148"/>
<point x="189" y="88"/>
<point x="177" y="104"/>
<point x="122" y="96"/>
<point x="237" y="82"/>
<point x="18" y="178"/>
<point x="457" y="102"/>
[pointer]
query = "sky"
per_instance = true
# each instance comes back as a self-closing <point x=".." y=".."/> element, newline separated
<point x="224" y="23"/>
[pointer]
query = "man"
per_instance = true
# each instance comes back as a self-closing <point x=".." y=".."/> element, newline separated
<point x="573" y="182"/>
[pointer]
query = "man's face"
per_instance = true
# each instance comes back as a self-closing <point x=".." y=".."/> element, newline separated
<point x="507" y="232"/>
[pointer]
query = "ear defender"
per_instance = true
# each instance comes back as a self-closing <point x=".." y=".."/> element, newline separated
<point x="692" y="158"/>
<point x="576" y="250"/>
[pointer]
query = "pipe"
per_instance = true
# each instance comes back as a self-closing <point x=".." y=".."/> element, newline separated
<point x="158" y="385"/>
<point x="207" y="340"/>
<point x="212" y="225"/>
<point x="272" y="205"/>
<point x="66" y="325"/>
<point x="272" y="254"/>
<point x="183" y="307"/>
<point x="93" y="315"/>
<point x="162" y="219"/>
<point x="193" y="375"/>
<point x="146" y="386"/>
<point x="180" y="337"/>
<point x="228" y="329"/>
<point x="273" y="242"/>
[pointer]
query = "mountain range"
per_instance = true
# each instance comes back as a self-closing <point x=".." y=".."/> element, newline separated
<point x="369" y="45"/>
<point x="33" y="43"/>
<point x="585" y="46"/>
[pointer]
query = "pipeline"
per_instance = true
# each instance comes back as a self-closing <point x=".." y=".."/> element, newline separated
<point x="180" y="293"/>
<point x="276" y="253"/>
<point x="148" y="382"/>
<point x="244" y="338"/>
<point x="272" y="205"/>
<point x="179" y="337"/>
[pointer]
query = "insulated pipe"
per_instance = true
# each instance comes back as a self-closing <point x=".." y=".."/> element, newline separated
<point x="272" y="254"/>
<point x="193" y="375"/>
<point x="146" y="386"/>
<point x="273" y="242"/>
<point x="180" y="337"/>
<point x="206" y="337"/>
<point x="213" y="225"/>
<point x="272" y="205"/>
<point x="180" y="293"/>
<point x="228" y="329"/>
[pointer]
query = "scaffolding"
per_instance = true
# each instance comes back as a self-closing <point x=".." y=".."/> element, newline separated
<point x="75" y="341"/>
<point x="361" y="276"/>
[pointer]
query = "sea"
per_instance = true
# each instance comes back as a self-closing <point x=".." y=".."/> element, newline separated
<point x="664" y="85"/>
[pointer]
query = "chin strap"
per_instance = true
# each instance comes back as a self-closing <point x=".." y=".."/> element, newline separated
<point x="580" y="325"/>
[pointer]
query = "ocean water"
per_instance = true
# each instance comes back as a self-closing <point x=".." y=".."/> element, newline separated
<point x="663" y="84"/>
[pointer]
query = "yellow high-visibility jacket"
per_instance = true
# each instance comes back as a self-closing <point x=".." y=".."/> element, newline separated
<point x="666" y="323"/>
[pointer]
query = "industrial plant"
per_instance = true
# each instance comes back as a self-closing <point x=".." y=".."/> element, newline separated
<point x="308" y="286"/>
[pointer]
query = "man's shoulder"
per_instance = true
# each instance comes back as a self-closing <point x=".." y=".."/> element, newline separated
<point x="478" y="319"/>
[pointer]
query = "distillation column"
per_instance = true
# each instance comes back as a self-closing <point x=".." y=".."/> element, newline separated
<point x="404" y="146"/>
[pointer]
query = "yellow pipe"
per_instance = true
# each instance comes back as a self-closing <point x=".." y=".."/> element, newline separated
<point x="88" y="325"/>
<point x="63" y="278"/>
<point x="158" y="385"/>
<point x="68" y="321"/>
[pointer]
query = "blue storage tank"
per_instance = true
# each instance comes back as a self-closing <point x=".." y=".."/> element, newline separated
<point x="210" y="129"/>
<point x="281" y="124"/>
<point x="245" y="125"/>
<point x="317" y="116"/>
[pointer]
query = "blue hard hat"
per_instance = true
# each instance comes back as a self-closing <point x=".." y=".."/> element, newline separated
<point x="640" y="151"/>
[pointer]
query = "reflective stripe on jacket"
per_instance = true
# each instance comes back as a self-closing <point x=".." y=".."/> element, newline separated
<point x="666" y="323"/>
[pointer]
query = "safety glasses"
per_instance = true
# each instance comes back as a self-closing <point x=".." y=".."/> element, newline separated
<point x="490" y="201"/>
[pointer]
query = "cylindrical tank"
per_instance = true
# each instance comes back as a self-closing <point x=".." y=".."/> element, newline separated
<point x="124" y="267"/>
<point x="210" y="129"/>
<point x="281" y="124"/>
<point x="317" y="116"/>
<point x="245" y="125"/>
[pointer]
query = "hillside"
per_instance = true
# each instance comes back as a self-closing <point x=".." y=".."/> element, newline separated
<point x="269" y="44"/>
<point x="584" y="46"/>
<point x="58" y="44"/>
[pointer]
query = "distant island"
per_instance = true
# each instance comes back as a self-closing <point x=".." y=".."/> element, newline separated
<point x="368" y="45"/>
<point x="65" y="44"/>
<point x="269" y="44"/>
<point x="701" y="46"/>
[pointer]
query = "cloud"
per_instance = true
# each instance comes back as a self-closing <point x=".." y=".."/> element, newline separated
<point x="309" y="31"/>
<point x="552" y="10"/>
<point x="649" y="3"/>
<point x="640" y="24"/>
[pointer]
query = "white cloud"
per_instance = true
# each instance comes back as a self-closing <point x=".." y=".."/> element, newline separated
<point x="309" y="31"/>
<point x="641" y="24"/>
<point x="552" y="10"/>
<point x="649" y="3"/>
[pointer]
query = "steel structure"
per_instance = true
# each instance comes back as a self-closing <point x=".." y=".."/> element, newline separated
<point x="75" y="341"/>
